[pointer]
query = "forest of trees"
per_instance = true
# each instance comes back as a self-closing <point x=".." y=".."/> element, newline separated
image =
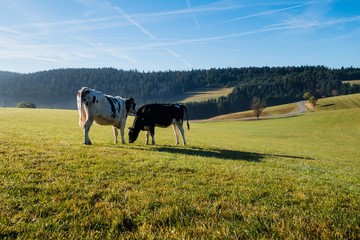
<point x="273" y="85"/>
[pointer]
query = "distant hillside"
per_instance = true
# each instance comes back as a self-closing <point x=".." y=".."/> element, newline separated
<point x="339" y="102"/>
<point x="202" y="94"/>
<point x="351" y="82"/>
<point x="268" y="112"/>
<point x="273" y="85"/>
<point x="324" y="104"/>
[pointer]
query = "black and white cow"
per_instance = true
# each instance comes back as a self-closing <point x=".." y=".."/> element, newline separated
<point x="160" y="115"/>
<point x="104" y="110"/>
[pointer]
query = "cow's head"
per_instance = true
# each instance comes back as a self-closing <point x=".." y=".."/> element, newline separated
<point x="130" y="105"/>
<point x="133" y="134"/>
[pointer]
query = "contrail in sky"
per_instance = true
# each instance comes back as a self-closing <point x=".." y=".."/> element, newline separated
<point x="193" y="16"/>
<point x="268" y="12"/>
<point x="189" y="11"/>
<point x="269" y="28"/>
<point x="148" y="33"/>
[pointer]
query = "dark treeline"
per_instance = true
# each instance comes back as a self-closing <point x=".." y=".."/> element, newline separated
<point x="274" y="85"/>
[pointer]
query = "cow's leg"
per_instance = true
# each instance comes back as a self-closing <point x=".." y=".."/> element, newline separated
<point x="115" y="134"/>
<point x="87" y="126"/>
<point x="122" y="132"/>
<point x="175" y="128"/>
<point x="152" y="133"/>
<point x="147" y="137"/>
<point x="182" y="133"/>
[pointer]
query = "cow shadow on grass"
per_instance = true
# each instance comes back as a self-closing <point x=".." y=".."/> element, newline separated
<point x="220" y="153"/>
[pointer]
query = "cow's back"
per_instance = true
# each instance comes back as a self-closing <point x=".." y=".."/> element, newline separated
<point x="103" y="109"/>
<point x="160" y="114"/>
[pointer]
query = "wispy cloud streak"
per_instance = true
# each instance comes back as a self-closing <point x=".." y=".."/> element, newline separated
<point x="269" y="28"/>
<point x="193" y="16"/>
<point x="104" y="33"/>
<point x="9" y="30"/>
<point x="149" y="34"/>
<point x="311" y="24"/>
<point x="267" y="12"/>
<point x="188" y="10"/>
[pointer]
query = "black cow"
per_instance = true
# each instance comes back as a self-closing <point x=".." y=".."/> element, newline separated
<point x="160" y="115"/>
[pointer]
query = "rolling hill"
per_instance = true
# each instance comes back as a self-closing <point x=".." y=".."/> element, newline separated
<point x="331" y="103"/>
<point x="339" y="102"/>
<point x="351" y="82"/>
<point x="202" y="94"/>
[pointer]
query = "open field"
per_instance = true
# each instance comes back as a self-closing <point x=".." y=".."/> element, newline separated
<point x="352" y="82"/>
<point x="202" y="94"/>
<point x="268" y="112"/>
<point x="332" y="103"/>
<point x="293" y="178"/>
<point x="340" y="102"/>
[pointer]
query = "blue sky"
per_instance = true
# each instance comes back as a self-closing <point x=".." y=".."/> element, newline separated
<point x="157" y="35"/>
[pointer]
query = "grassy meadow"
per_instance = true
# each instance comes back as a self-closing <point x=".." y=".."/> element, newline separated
<point x="339" y="103"/>
<point x="352" y="82"/>
<point x="273" y="111"/>
<point x="290" y="178"/>
<point x="202" y="94"/>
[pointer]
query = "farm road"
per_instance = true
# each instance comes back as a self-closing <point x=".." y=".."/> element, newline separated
<point x="301" y="109"/>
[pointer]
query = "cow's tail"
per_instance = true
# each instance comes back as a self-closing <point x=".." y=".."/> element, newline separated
<point x="80" y="105"/>
<point x="187" y="117"/>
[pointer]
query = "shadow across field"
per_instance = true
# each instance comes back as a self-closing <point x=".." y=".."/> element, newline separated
<point x="225" y="154"/>
<point x="329" y="106"/>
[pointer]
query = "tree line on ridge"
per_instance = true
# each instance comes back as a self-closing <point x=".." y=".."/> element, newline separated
<point x="273" y="85"/>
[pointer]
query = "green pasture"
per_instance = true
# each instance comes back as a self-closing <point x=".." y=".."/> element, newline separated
<point x="352" y="82"/>
<point x="202" y="94"/>
<point x="339" y="102"/>
<point x="273" y="111"/>
<point x="324" y="104"/>
<point x="290" y="178"/>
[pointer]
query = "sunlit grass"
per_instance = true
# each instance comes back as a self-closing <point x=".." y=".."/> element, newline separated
<point x="202" y="94"/>
<point x="267" y="112"/>
<point x="293" y="178"/>
<point x="339" y="102"/>
<point x="332" y="103"/>
<point x="352" y="82"/>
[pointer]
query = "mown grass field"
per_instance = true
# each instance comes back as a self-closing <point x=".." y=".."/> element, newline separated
<point x="338" y="103"/>
<point x="267" y="112"/>
<point x="202" y="94"/>
<point x="291" y="178"/>
<point x="352" y="82"/>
